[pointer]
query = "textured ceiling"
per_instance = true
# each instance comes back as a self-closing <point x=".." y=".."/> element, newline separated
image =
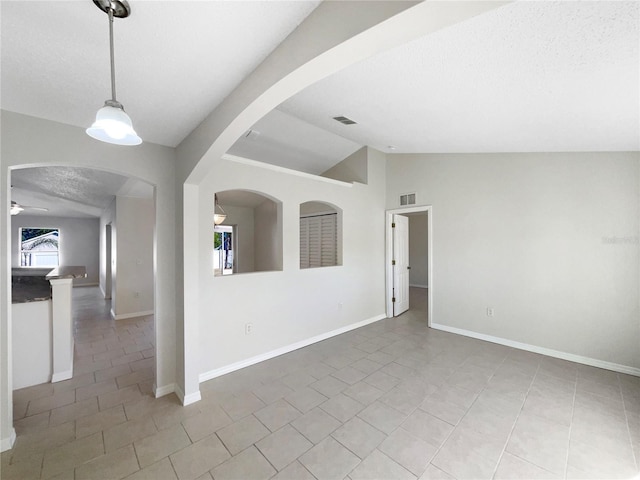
<point x="526" y="77"/>
<point x="72" y="191"/>
<point x="175" y="61"/>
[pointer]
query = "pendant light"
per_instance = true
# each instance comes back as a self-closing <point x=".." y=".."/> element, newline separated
<point x="112" y="124"/>
<point x="219" y="215"/>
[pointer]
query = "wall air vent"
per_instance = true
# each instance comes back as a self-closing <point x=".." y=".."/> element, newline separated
<point x="408" y="199"/>
<point x="345" y="120"/>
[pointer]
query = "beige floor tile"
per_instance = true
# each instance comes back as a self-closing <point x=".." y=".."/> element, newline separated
<point x="342" y="407"/>
<point x="277" y="415"/>
<point x="541" y="442"/>
<point x="382" y="380"/>
<point x="329" y="386"/>
<point x="117" y="397"/>
<point x="437" y="405"/>
<point x="242" y="434"/>
<point x="29" y="467"/>
<point x="40" y="441"/>
<point x="349" y="374"/>
<point x="427" y="427"/>
<point x="434" y="473"/>
<point x="95" y="389"/>
<point x="402" y="399"/>
<point x="464" y="465"/>
<point x="364" y="393"/>
<point x="32" y="424"/>
<point x="250" y="464"/>
<point x="152" y="448"/>
<point x="100" y="421"/>
<point x="198" y="458"/>
<point x="359" y="437"/>
<point x="241" y="405"/>
<point x="210" y="420"/>
<point x="295" y="471"/>
<point x="305" y="399"/>
<point x="112" y="372"/>
<point x="316" y="425"/>
<point x="271" y="392"/>
<point x="408" y="450"/>
<point x="467" y="440"/>
<point x="329" y="460"/>
<point x="128" y="432"/>
<point x="382" y="417"/>
<point x="43" y="404"/>
<point x="377" y="466"/>
<point x="172" y="414"/>
<point x="134" y="377"/>
<point x="73" y="411"/>
<point x="116" y="464"/>
<point x="588" y="458"/>
<point x="515" y="468"/>
<point x="367" y="366"/>
<point x="34" y="392"/>
<point x="70" y="455"/>
<point x="284" y="446"/>
<point x="162" y="470"/>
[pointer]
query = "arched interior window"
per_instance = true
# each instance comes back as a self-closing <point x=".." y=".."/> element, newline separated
<point x="320" y="235"/>
<point x="249" y="239"/>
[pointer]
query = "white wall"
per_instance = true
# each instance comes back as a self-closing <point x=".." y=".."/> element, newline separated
<point x="108" y="217"/>
<point x="549" y="241"/>
<point x="268" y="237"/>
<point x="133" y="287"/>
<point x="292" y="305"/>
<point x="32" y="343"/>
<point x="79" y="242"/>
<point x="418" y="275"/>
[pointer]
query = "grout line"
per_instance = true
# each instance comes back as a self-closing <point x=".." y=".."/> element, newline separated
<point x="573" y="410"/>
<point x="626" y="417"/>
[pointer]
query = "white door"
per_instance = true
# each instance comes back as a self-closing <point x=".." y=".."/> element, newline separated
<point x="400" y="264"/>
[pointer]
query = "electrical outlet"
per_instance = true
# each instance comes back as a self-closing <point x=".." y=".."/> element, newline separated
<point x="489" y="312"/>
<point x="248" y="328"/>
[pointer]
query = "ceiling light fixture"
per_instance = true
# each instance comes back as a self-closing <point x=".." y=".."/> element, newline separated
<point x="112" y="124"/>
<point x="219" y="215"/>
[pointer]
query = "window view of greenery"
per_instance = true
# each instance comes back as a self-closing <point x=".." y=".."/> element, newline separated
<point x="39" y="247"/>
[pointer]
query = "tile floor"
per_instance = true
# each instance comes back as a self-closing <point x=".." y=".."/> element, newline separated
<point x="392" y="400"/>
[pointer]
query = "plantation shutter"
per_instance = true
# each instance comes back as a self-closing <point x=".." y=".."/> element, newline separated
<point x="318" y="241"/>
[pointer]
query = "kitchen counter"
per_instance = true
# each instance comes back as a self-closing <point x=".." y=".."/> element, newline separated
<point x="32" y="285"/>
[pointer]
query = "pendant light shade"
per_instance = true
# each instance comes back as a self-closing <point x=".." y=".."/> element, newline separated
<point x="112" y="124"/>
<point x="219" y="214"/>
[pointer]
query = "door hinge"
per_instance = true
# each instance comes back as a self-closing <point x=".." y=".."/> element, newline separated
<point x="393" y="225"/>
<point x="393" y="299"/>
<point x="393" y="262"/>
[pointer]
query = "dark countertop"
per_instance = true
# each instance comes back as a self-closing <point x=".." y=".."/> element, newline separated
<point x="29" y="289"/>
<point x="32" y="284"/>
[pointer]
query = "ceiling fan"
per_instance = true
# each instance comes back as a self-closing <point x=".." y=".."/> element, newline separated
<point x="16" y="208"/>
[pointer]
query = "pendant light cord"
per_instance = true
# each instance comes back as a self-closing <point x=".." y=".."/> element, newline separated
<point x="113" y="62"/>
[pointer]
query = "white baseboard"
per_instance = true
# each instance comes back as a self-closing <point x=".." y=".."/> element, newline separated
<point x="188" y="399"/>
<point x="60" y="376"/>
<point x="124" y="316"/>
<point x="164" y="390"/>
<point x="9" y="442"/>
<point x="86" y="285"/>
<point x="593" y="362"/>
<point x="281" y="351"/>
<point x="418" y="286"/>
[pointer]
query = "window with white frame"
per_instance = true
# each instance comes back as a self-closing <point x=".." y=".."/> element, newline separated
<point x="319" y="231"/>
<point x="39" y="247"/>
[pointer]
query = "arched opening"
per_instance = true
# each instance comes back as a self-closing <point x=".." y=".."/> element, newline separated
<point x="107" y="225"/>
<point x="249" y="239"/>
<point x="320" y="235"/>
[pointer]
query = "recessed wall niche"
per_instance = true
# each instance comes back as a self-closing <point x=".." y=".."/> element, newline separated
<point x="250" y="237"/>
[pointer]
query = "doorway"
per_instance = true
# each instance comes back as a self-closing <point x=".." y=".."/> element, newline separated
<point x="408" y="267"/>
<point x="224" y="241"/>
